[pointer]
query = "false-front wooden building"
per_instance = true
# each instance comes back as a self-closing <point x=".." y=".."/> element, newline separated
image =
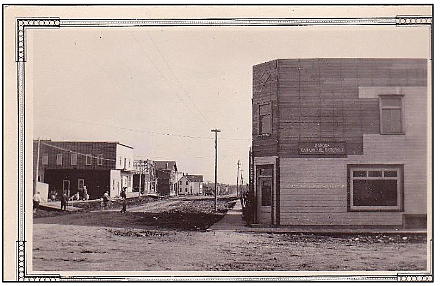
<point x="167" y="178"/>
<point x="68" y="166"/>
<point x="341" y="142"/>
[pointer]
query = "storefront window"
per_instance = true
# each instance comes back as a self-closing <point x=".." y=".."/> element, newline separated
<point x="80" y="184"/>
<point x="375" y="188"/>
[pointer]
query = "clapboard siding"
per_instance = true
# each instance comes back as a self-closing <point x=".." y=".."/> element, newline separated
<point x="306" y="184"/>
<point x="392" y="219"/>
<point x="318" y="98"/>
<point x="316" y="210"/>
<point x="337" y="100"/>
<point x="265" y="85"/>
<point x="310" y="204"/>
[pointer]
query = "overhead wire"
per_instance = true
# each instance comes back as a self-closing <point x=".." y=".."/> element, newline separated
<point x="186" y="93"/>
<point x="144" y="130"/>
<point x="176" y="78"/>
<point x="167" y="81"/>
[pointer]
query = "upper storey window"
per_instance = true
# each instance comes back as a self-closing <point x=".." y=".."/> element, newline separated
<point x="265" y="126"/>
<point x="391" y="114"/>
<point x="59" y="159"/>
<point x="45" y="159"/>
<point x="73" y="159"/>
<point x="100" y="159"/>
<point x="89" y="159"/>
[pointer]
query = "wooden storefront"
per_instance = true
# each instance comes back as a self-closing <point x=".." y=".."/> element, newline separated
<point x="345" y="140"/>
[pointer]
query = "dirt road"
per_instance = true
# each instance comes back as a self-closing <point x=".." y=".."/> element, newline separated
<point x="114" y="241"/>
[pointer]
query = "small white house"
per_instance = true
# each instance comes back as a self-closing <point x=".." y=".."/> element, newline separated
<point x="190" y="185"/>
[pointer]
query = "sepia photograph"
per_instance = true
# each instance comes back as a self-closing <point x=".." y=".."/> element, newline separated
<point x="218" y="143"/>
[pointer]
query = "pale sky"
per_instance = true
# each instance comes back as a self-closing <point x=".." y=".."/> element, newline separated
<point x="133" y="85"/>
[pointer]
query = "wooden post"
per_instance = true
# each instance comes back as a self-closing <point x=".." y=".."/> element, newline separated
<point x="140" y="176"/>
<point x="215" y="167"/>
<point x="37" y="167"/>
<point x="237" y="178"/>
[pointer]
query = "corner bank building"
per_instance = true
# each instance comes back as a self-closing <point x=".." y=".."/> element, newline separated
<point x="341" y="142"/>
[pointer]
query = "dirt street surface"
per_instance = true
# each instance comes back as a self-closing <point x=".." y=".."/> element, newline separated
<point x="169" y="235"/>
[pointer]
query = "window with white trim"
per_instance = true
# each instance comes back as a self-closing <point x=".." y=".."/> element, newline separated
<point x="265" y="126"/>
<point x="88" y="159"/>
<point x="375" y="187"/>
<point x="100" y="160"/>
<point x="80" y="184"/>
<point x="391" y="114"/>
<point x="45" y="159"/>
<point x="73" y="159"/>
<point x="59" y="159"/>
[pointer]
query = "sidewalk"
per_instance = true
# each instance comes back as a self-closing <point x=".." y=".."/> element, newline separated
<point x="338" y="230"/>
<point x="232" y="221"/>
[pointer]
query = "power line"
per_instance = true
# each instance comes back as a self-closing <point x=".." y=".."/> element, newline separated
<point x="167" y="81"/>
<point x="144" y="130"/>
<point x="186" y="93"/>
<point x="176" y="78"/>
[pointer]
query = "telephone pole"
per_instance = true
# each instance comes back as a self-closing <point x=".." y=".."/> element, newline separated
<point x="141" y="170"/>
<point x="37" y="168"/>
<point x="237" y="178"/>
<point x="215" y="167"/>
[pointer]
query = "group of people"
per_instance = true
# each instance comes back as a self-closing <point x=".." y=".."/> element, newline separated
<point x="37" y="200"/>
<point x="80" y="195"/>
<point x="64" y="199"/>
<point x="106" y="199"/>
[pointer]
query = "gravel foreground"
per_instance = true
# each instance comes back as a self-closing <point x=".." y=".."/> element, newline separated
<point x="171" y="235"/>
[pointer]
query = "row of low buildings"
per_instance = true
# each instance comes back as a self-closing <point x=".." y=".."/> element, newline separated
<point x="68" y="166"/>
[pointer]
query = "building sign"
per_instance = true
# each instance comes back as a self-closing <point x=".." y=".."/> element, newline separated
<point x="322" y="148"/>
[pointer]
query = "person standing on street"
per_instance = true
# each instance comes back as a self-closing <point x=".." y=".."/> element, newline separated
<point x="105" y="200"/>
<point x="85" y="194"/>
<point x="124" y="201"/>
<point x="64" y="200"/>
<point x="37" y="200"/>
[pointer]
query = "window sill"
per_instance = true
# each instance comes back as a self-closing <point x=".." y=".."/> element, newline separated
<point x="263" y="135"/>
<point x="402" y="133"/>
<point x="351" y="209"/>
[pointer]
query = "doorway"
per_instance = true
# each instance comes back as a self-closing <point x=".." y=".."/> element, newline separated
<point x="66" y="187"/>
<point x="265" y="195"/>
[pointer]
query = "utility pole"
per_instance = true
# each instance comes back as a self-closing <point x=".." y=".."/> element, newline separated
<point x="37" y="167"/>
<point x="141" y="170"/>
<point x="215" y="167"/>
<point x="241" y="188"/>
<point x="237" y="178"/>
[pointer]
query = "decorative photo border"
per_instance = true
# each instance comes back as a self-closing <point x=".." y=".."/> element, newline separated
<point x="22" y="26"/>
